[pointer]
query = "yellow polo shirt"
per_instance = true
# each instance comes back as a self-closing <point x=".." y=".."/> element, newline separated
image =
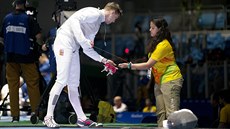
<point x="149" y="109"/>
<point x="225" y="114"/>
<point x="165" y="69"/>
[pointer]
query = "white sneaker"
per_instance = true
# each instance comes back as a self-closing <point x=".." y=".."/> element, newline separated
<point x="88" y="123"/>
<point x="49" y="122"/>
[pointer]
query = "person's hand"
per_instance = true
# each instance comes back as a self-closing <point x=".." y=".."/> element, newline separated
<point x="123" y="65"/>
<point x="111" y="62"/>
<point x="109" y="66"/>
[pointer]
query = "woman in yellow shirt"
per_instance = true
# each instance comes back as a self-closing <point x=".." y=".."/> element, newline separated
<point x="167" y="75"/>
<point x="148" y="106"/>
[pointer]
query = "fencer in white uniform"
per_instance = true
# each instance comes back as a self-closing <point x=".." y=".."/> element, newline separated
<point x="77" y="31"/>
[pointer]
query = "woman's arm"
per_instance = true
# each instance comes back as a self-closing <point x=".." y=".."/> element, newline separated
<point x="138" y="66"/>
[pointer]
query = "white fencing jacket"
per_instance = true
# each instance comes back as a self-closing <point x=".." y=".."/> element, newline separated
<point x="81" y="28"/>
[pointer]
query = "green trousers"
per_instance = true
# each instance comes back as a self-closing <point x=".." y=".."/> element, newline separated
<point x="167" y="99"/>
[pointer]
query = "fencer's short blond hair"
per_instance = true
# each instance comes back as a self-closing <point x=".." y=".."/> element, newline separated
<point x="113" y="6"/>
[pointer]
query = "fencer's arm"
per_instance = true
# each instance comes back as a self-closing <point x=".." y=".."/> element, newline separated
<point x="84" y="43"/>
<point x="79" y="36"/>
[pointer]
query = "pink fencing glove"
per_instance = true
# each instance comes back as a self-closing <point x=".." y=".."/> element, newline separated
<point x="109" y="68"/>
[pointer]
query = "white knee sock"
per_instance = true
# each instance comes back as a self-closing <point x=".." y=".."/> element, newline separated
<point x="53" y="98"/>
<point x="76" y="103"/>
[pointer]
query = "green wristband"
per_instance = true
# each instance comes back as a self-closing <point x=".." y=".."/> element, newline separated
<point x="129" y="65"/>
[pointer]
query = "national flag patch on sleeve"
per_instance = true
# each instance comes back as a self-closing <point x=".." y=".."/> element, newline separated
<point x="61" y="52"/>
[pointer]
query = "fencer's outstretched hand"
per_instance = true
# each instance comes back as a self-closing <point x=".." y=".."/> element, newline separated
<point x="109" y="66"/>
<point x="111" y="62"/>
<point x="104" y="61"/>
<point x="123" y="65"/>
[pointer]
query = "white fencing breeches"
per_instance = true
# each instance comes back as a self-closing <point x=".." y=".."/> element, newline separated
<point x="68" y="73"/>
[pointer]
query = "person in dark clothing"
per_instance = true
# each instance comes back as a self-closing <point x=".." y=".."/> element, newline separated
<point x="216" y="108"/>
<point x="21" y="35"/>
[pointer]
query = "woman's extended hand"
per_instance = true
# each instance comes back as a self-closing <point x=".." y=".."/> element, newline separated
<point x="123" y="65"/>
